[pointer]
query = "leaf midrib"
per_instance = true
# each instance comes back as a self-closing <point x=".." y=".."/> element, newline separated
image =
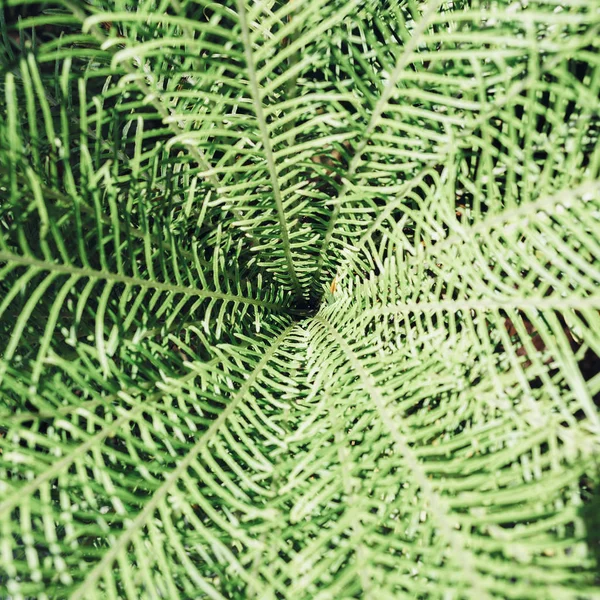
<point x="122" y="542"/>
<point x="266" y="140"/>
<point x="42" y="265"/>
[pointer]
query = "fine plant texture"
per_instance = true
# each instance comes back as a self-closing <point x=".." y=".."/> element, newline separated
<point x="299" y="299"/>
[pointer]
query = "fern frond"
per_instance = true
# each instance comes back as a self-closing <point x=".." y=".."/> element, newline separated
<point x="299" y="300"/>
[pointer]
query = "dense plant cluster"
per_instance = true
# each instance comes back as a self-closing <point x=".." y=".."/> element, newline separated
<point x="299" y="299"/>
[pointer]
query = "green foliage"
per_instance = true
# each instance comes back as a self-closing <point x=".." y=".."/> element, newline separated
<point x="299" y="299"/>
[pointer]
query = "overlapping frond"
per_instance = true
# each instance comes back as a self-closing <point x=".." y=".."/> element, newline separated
<point x="98" y="256"/>
<point x="194" y="427"/>
<point x="299" y="299"/>
<point x="475" y="105"/>
<point x="245" y="99"/>
<point x="472" y="382"/>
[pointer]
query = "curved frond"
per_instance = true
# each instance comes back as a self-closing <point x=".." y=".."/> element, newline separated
<point x="299" y="299"/>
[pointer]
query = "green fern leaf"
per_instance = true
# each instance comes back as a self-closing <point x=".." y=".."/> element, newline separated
<point x="299" y="299"/>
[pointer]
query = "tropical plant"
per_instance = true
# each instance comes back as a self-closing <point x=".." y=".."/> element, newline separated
<point x="299" y="299"/>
